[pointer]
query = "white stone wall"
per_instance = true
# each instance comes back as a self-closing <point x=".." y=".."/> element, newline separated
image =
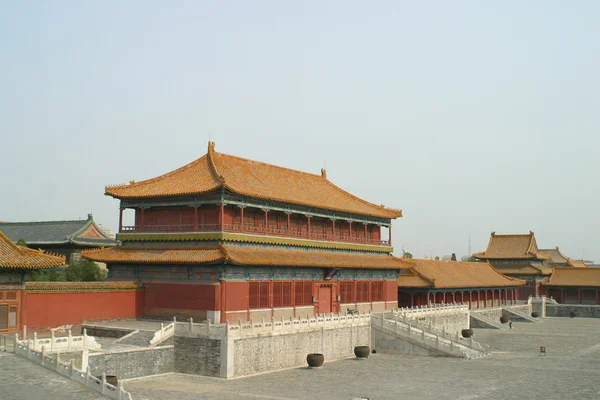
<point x="273" y="351"/>
<point x="451" y="318"/>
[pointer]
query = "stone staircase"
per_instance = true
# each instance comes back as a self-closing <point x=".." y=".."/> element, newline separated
<point x="520" y="316"/>
<point x="481" y="321"/>
<point x="136" y="338"/>
<point x="434" y="341"/>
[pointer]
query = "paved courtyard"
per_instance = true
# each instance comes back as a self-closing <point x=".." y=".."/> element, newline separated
<point x="515" y="370"/>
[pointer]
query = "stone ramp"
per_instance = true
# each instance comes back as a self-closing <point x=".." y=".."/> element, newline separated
<point x="396" y="335"/>
<point x="519" y="316"/>
<point x="481" y="321"/>
<point x="139" y="338"/>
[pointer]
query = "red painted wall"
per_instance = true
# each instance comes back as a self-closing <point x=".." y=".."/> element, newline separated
<point x="50" y="309"/>
<point x="168" y="300"/>
<point x="390" y="289"/>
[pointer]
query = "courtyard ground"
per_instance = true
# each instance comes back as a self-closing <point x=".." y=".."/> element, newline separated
<point x="515" y="370"/>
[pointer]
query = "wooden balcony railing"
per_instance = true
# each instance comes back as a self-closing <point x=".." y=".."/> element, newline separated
<point x="256" y="230"/>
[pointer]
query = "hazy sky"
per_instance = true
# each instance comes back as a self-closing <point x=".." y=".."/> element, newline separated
<point x="470" y="116"/>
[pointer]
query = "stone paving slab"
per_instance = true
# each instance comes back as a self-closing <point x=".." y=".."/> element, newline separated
<point x="21" y="379"/>
<point x="515" y="370"/>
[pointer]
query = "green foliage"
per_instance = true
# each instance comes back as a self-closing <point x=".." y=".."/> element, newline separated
<point x="22" y="243"/>
<point x="453" y="258"/>
<point x="47" y="275"/>
<point x="437" y="257"/>
<point x="84" y="271"/>
<point x="79" y="271"/>
<point x="408" y="255"/>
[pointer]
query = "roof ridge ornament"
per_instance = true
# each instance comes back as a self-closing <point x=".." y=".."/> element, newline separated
<point x="323" y="173"/>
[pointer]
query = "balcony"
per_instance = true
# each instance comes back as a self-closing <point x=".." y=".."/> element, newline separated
<point x="256" y="230"/>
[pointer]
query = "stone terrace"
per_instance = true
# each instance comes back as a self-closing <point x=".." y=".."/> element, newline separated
<point x="514" y="370"/>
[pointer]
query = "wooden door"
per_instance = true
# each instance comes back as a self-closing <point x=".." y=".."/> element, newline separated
<point x="325" y="298"/>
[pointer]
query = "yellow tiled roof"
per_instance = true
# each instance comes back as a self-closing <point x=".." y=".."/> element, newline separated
<point x="455" y="274"/>
<point x="582" y="277"/>
<point x="215" y="171"/>
<point x="197" y="255"/>
<point x="246" y="256"/>
<point x="17" y="257"/>
<point x="575" y="263"/>
<point x="512" y="247"/>
<point x="526" y="269"/>
<point x="81" y="286"/>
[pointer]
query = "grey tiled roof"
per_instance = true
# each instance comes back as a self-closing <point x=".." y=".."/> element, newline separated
<point x="53" y="232"/>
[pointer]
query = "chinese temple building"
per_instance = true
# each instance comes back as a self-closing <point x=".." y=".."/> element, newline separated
<point x="518" y="256"/>
<point x="227" y="239"/>
<point x="570" y="285"/>
<point x="61" y="237"/>
<point x="15" y="262"/>
<point x="476" y="283"/>
<point x="558" y="259"/>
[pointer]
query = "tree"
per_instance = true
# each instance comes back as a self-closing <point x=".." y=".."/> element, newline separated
<point x="408" y="255"/>
<point x="84" y="271"/>
<point x="22" y="243"/>
<point x="453" y="258"/>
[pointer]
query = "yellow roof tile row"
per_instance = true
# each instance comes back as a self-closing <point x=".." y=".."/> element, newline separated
<point x="215" y="171"/>
<point x="582" y="277"/>
<point x="455" y="274"/>
<point x="245" y="256"/>
<point x="17" y="257"/>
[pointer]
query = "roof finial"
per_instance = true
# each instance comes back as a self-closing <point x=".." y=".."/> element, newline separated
<point x="323" y="173"/>
<point x="211" y="146"/>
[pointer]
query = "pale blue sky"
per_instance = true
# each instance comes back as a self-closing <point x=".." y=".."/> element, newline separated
<point x="470" y="116"/>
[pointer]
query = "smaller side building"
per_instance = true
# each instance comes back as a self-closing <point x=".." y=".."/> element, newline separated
<point x="569" y="285"/>
<point x="517" y="256"/>
<point x="15" y="262"/>
<point x="476" y="283"/>
<point x="61" y="237"/>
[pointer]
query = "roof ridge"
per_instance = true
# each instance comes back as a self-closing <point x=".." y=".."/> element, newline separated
<point x="270" y="165"/>
<point x="211" y="163"/>
<point x="42" y="222"/>
<point x="322" y="176"/>
<point x="156" y="178"/>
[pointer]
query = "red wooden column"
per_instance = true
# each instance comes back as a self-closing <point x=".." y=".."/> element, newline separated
<point x="142" y="220"/>
<point x="412" y="299"/>
<point x="222" y="216"/>
<point x="562" y="296"/>
<point x="308" y="231"/>
<point x="366" y="232"/>
<point x="485" y="304"/>
<point x="288" y="227"/>
<point x="266" y="220"/>
<point x="597" y="296"/>
<point x="444" y="297"/>
<point x="350" y="230"/>
<point x="120" y="219"/>
<point x="578" y="296"/>
<point x="333" y="228"/>
<point x="242" y="218"/>
<point x="195" y="218"/>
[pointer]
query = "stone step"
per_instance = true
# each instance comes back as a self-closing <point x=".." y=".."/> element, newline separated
<point x="141" y="338"/>
<point x="520" y="316"/>
<point x="481" y="321"/>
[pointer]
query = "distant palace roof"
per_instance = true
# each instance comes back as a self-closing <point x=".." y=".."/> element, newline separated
<point x="238" y="255"/>
<point x="575" y="263"/>
<point x="511" y="247"/>
<point x="581" y="277"/>
<point x="524" y="269"/>
<point x="455" y="274"/>
<point x="215" y="171"/>
<point x="557" y="257"/>
<point x="17" y="257"/>
<point x="80" y="232"/>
